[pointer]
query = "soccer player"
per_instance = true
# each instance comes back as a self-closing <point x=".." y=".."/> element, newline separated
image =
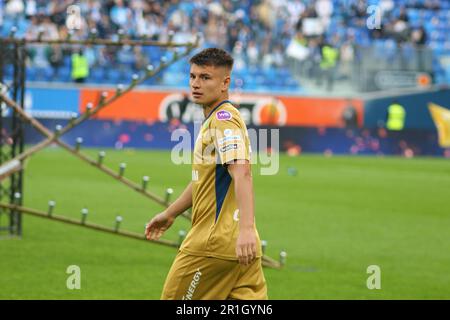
<point x="221" y="255"/>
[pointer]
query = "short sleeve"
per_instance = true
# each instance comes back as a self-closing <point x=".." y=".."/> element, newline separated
<point x="230" y="136"/>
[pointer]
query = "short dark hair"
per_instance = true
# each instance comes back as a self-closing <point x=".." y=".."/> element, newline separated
<point x="213" y="57"/>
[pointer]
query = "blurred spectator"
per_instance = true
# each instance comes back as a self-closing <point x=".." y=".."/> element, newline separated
<point x="277" y="56"/>
<point x="238" y="54"/>
<point x="419" y="39"/>
<point x="14" y="8"/>
<point x="31" y="8"/>
<point x="94" y="10"/>
<point x="396" y="115"/>
<point x="177" y="114"/>
<point x="55" y="57"/>
<point x="125" y="57"/>
<point x="358" y="11"/>
<point x="140" y="60"/>
<point x="324" y="9"/>
<point x="432" y="4"/>
<point x="80" y="66"/>
<point x="400" y="27"/>
<point x="90" y="54"/>
<point x="266" y="33"/>
<point x="295" y="8"/>
<point x="349" y="116"/>
<point x="104" y="26"/>
<point x="49" y="28"/>
<point x="419" y="36"/>
<point x="328" y="64"/>
<point x="386" y="7"/>
<point x="347" y="57"/>
<point x="266" y="14"/>
<point x="298" y="48"/>
<point x="315" y="54"/>
<point x="252" y="53"/>
<point x="120" y="14"/>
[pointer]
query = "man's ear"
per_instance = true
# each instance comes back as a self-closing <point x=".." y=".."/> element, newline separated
<point x="226" y="83"/>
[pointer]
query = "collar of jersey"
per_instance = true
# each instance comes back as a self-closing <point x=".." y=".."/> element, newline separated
<point x="215" y="108"/>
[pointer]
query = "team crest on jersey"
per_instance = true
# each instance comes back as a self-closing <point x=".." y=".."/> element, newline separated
<point x="223" y="115"/>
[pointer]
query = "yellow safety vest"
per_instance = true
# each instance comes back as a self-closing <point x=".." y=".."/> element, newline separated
<point x="329" y="57"/>
<point x="396" y="117"/>
<point x="80" y="66"/>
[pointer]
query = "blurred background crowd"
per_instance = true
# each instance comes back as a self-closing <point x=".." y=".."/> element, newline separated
<point x="282" y="45"/>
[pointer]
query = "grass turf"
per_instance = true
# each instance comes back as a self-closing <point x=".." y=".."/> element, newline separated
<point x="336" y="217"/>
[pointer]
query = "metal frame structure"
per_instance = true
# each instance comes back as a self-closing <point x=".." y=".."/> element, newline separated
<point x="12" y="134"/>
<point x="12" y="168"/>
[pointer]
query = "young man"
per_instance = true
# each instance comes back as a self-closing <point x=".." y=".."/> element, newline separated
<point x="221" y="255"/>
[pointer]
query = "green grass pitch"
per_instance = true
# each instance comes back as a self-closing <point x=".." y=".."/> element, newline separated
<point x="335" y="218"/>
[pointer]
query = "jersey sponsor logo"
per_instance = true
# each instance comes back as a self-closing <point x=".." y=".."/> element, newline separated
<point x="227" y="132"/>
<point x="229" y="147"/>
<point x="223" y="115"/>
<point x="194" y="283"/>
<point x="230" y="138"/>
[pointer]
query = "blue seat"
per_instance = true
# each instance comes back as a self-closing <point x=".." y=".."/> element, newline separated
<point x="260" y="80"/>
<point x="413" y="14"/>
<point x="155" y="54"/>
<point x="67" y="61"/>
<point x="437" y="47"/>
<point x="114" y="76"/>
<point x="150" y="82"/>
<point x="64" y="72"/>
<point x="96" y="75"/>
<point x="41" y="75"/>
<point x="31" y="73"/>
<point x="270" y="73"/>
<point x="9" y="70"/>
<point x="284" y="72"/>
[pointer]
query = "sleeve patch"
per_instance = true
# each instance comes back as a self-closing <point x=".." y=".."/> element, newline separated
<point x="223" y="115"/>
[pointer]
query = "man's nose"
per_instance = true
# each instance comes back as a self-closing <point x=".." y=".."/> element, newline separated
<point x="195" y="84"/>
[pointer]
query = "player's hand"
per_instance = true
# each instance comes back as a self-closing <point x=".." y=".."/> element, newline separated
<point x="158" y="225"/>
<point x="246" y="246"/>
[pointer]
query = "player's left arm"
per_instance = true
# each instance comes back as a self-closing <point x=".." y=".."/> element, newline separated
<point x="240" y="171"/>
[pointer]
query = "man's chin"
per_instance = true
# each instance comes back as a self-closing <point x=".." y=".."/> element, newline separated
<point x="198" y="100"/>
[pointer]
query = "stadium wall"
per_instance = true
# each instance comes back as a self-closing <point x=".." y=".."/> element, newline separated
<point x="146" y="118"/>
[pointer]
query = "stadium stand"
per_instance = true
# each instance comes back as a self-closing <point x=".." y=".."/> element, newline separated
<point x="258" y="33"/>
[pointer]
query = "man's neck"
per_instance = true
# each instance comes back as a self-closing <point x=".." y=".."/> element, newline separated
<point x="208" y="108"/>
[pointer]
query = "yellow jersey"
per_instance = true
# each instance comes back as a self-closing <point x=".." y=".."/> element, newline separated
<point x="223" y="137"/>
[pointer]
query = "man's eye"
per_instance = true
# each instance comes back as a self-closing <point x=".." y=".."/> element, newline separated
<point x="205" y="77"/>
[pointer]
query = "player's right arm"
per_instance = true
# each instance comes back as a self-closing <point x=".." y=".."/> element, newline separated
<point x="162" y="221"/>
